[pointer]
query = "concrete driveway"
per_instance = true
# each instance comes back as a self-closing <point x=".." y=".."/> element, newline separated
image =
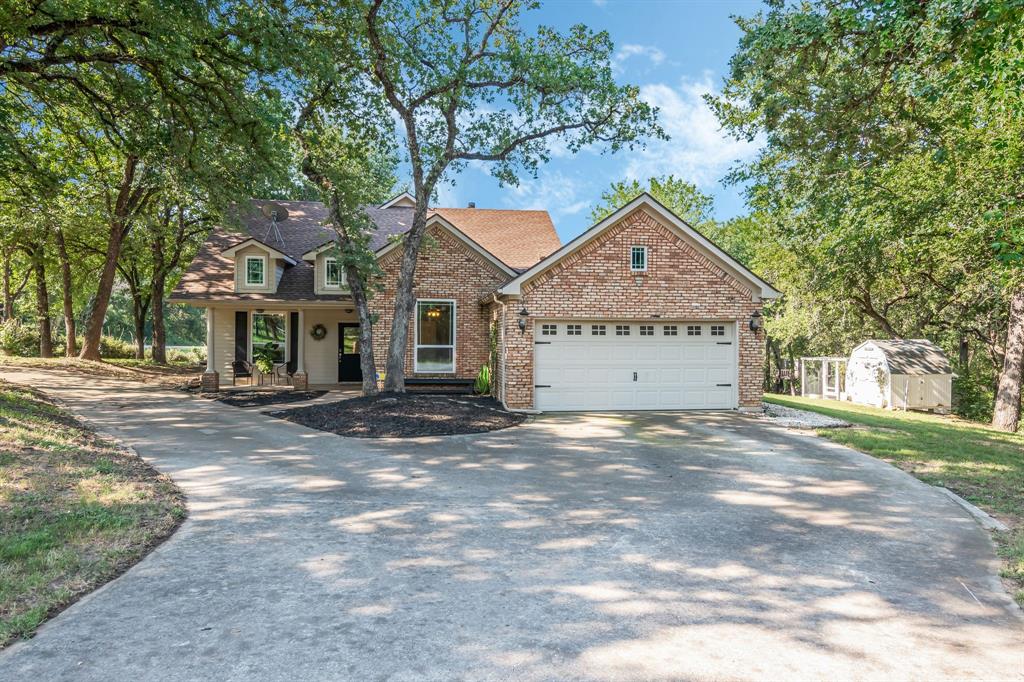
<point x="654" y="546"/>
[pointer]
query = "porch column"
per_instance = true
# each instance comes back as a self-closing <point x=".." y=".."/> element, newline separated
<point x="210" y="380"/>
<point x="300" y="380"/>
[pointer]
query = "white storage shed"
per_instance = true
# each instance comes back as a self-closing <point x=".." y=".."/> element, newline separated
<point x="903" y="374"/>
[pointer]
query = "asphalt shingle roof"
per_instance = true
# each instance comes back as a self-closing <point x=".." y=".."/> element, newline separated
<point x="517" y="238"/>
<point x="914" y="357"/>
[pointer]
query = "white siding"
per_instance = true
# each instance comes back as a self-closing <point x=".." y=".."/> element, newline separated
<point x="224" y="342"/>
<point x="322" y="355"/>
<point x="867" y="377"/>
<point x="924" y="392"/>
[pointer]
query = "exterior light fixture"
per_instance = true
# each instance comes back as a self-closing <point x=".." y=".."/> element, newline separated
<point x="756" y="321"/>
<point x="523" y="314"/>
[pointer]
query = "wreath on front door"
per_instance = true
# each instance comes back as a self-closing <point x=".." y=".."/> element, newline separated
<point x="318" y="332"/>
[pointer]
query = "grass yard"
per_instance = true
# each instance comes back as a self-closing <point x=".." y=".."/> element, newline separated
<point x="75" y="510"/>
<point x="136" y="370"/>
<point x="976" y="462"/>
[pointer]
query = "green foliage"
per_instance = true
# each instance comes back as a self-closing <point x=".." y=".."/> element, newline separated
<point x="19" y="339"/>
<point x="264" y="357"/>
<point x="482" y="385"/>
<point x="113" y="348"/>
<point x="973" y="397"/>
<point x="681" y="197"/>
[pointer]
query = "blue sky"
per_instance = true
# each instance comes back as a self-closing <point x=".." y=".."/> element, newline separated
<point x="675" y="51"/>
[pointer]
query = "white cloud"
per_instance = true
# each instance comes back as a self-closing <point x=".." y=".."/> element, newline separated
<point x="699" y="150"/>
<point x="553" y="191"/>
<point x="600" y="3"/>
<point x="632" y="50"/>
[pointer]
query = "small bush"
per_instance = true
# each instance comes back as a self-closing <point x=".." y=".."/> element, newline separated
<point x="483" y="381"/>
<point x="112" y="348"/>
<point x="19" y="339"/>
<point x="191" y="356"/>
<point x="972" y="397"/>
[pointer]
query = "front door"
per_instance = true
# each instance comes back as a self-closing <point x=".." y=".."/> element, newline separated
<point x="348" y="352"/>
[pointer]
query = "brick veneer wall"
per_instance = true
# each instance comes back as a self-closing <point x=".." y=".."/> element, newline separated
<point x="596" y="282"/>
<point x="447" y="269"/>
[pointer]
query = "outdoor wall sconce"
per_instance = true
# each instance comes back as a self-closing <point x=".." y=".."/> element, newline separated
<point x="756" y="321"/>
<point x="523" y="314"/>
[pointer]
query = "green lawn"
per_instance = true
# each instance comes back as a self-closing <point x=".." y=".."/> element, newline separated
<point x="75" y="510"/>
<point x="976" y="462"/>
<point x="136" y="370"/>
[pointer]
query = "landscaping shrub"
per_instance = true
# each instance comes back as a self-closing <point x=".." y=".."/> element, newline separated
<point x="483" y="381"/>
<point x="972" y="397"/>
<point x="113" y="348"/>
<point x="19" y="339"/>
<point x="195" y="355"/>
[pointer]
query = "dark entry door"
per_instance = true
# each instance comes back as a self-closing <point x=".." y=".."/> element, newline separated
<point x="348" y="352"/>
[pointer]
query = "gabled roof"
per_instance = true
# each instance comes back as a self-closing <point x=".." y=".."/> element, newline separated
<point x="681" y="227"/>
<point x="912" y="356"/>
<point x="439" y="220"/>
<point x="210" y="276"/>
<point x="519" y="238"/>
<point x="252" y="241"/>
<point x="403" y="200"/>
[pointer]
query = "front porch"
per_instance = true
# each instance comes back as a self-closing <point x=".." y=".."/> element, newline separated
<point x="281" y="347"/>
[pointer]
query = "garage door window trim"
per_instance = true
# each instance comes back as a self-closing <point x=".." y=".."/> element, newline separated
<point x="435" y="340"/>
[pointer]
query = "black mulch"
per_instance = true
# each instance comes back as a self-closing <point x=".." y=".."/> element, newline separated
<point x="404" y="415"/>
<point x="262" y="398"/>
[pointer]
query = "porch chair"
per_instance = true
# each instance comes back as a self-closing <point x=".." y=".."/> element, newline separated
<point x="241" y="369"/>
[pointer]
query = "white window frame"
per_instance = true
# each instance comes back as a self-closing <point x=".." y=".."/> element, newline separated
<point x="245" y="273"/>
<point x="632" y="252"/>
<point x="341" y="274"/>
<point x="416" y="338"/>
<point x="287" y="329"/>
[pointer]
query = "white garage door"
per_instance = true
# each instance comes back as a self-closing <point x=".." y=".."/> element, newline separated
<point x="608" y="365"/>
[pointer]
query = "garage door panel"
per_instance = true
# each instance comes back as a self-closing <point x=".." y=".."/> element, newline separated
<point x="641" y="372"/>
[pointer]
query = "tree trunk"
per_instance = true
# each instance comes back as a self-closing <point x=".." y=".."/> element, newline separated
<point x="404" y="302"/>
<point x="964" y="351"/>
<point x="367" y="363"/>
<point x="42" y="304"/>
<point x="127" y="200"/>
<point x="156" y="298"/>
<point x="70" y="343"/>
<point x="8" y="311"/>
<point x="1006" y="416"/>
<point x="139" y="309"/>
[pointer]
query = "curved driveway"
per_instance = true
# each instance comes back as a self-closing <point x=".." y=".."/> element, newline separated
<point x="653" y="546"/>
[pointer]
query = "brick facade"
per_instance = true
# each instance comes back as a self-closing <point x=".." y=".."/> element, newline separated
<point x="595" y="281"/>
<point x="447" y="269"/>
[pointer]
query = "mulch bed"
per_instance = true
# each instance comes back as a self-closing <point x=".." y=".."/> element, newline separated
<point x="262" y="398"/>
<point x="404" y="415"/>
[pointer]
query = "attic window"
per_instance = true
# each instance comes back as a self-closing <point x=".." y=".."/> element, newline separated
<point x="255" y="271"/>
<point x="333" y="276"/>
<point x="638" y="259"/>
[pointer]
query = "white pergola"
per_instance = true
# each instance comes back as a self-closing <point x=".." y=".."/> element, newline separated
<point x="823" y="377"/>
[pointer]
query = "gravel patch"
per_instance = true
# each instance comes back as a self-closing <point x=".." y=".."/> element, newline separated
<point x="799" y="419"/>
<point x="404" y="415"/>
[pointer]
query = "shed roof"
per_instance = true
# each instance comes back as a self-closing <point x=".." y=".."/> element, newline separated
<point x="913" y="356"/>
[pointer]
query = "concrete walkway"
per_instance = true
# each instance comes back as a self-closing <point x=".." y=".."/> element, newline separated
<point x="657" y="546"/>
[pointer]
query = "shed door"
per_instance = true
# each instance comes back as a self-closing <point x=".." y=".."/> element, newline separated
<point x="608" y="365"/>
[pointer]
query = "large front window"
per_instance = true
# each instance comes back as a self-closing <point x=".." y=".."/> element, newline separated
<point x="435" y="336"/>
<point x="255" y="271"/>
<point x="269" y="336"/>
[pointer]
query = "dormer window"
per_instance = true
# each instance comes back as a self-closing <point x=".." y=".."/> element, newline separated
<point x="638" y="258"/>
<point x="255" y="271"/>
<point x="333" y="275"/>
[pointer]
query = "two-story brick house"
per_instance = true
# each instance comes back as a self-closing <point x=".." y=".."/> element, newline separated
<point x="641" y="311"/>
